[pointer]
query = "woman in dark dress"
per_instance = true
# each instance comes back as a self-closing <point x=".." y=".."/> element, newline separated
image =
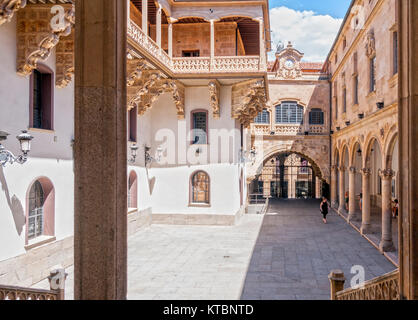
<point x="324" y="209"/>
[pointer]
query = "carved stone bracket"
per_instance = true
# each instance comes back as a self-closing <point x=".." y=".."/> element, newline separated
<point x="34" y="24"/>
<point x="8" y="8"/>
<point x="214" y="91"/>
<point x="135" y="69"/>
<point x="149" y="81"/>
<point x="248" y="100"/>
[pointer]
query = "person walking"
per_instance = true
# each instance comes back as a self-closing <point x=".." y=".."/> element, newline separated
<point x="324" y="209"/>
<point x="347" y="201"/>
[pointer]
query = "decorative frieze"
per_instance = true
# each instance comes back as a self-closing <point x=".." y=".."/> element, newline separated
<point x="214" y="91"/>
<point x="8" y="8"/>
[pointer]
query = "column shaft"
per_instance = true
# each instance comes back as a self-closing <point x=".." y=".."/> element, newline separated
<point x="100" y="151"/>
<point x="341" y="197"/>
<point x="170" y="40"/>
<point x="158" y="28"/>
<point x="145" y="16"/>
<point x="386" y="244"/>
<point x="352" y="194"/>
<point x="334" y="200"/>
<point x="365" y="221"/>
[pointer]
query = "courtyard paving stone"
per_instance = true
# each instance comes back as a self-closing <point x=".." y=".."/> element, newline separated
<point x="285" y="255"/>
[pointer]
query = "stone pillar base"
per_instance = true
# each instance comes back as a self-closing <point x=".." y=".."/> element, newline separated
<point x="334" y="204"/>
<point x="366" y="228"/>
<point x="353" y="217"/>
<point x="386" y="246"/>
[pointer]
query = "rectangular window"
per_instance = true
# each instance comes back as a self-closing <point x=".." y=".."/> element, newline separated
<point x="290" y="113"/>
<point x="190" y="53"/>
<point x="263" y="117"/>
<point x="41" y="101"/>
<point x="199" y="128"/>
<point x="395" y="52"/>
<point x="133" y="124"/>
<point x="345" y="100"/>
<point x="373" y="74"/>
<point x="355" y="93"/>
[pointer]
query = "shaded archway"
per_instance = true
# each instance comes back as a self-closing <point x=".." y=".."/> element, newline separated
<point x="288" y="175"/>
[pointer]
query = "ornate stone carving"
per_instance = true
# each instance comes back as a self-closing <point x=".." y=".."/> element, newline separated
<point x="150" y="80"/>
<point x="289" y="63"/>
<point x="42" y="50"/>
<point x="366" y="172"/>
<point x="352" y="169"/>
<point x="248" y="99"/>
<point x="386" y="174"/>
<point x="370" y="45"/>
<point x="385" y="287"/>
<point x="214" y="92"/>
<point x="64" y="55"/>
<point x="137" y="66"/>
<point x="8" y="8"/>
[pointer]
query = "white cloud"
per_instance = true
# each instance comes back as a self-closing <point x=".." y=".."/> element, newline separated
<point x="310" y="33"/>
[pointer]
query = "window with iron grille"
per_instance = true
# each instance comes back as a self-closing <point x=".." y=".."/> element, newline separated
<point x="289" y="113"/>
<point x="395" y="52"/>
<point x="345" y="100"/>
<point x="36" y="211"/>
<point x="41" y="100"/>
<point x="199" y="128"/>
<point x="373" y="74"/>
<point x="316" y="116"/>
<point x="263" y="117"/>
<point x="200" y="185"/>
<point x="355" y="89"/>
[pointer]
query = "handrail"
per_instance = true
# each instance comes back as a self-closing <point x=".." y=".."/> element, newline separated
<point x="56" y="292"/>
<point x="184" y="65"/>
<point x="385" y="287"/>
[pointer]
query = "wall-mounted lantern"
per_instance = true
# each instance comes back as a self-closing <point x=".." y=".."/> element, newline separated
<point x="25" y="144"/>
<point x="149" y="159"/>
<point x="245" y="156"/>
<point x="380" y="105"/>
<point x="361" y="116"/>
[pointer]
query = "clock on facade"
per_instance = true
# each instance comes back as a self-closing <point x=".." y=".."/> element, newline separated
<point x="289" y="63"/>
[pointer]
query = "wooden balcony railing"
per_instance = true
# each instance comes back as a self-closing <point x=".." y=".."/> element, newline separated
<point x="385" y="287"/>
<point x="56" y="292"/>
<point x="202" y="65"/>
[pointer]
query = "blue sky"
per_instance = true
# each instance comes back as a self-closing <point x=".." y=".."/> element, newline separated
<point x="335" y="8"/>
<point x="311" y="25"/>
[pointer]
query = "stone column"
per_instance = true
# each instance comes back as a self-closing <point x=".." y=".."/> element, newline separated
<point x="267" y="189"/>
<point x="170" y="39"/>
<point x="158" y="27"/>
<point x="262" y="44"/>
<point x="100" y="151"/>
<point x="386" y="244"/>
<point x="408" y="147"/>
<point x="145" y="16"/>
<point x="337" y="280"/>
<point x="341" y="172"/>
<point x="334" y="201"/>
<point x="365" y="221"/>
<point x="212" y="43"/>
<point x="352" y="194"/>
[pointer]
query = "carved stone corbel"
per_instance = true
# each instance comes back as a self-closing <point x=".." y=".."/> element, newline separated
<point x="135" y="69"/>
<point x="148" y="82"/>
<point x="248" y="101"/>
<point x="214" y="91"/>
<point x="30" y="52"/>
<point x="8" y="8"/>
<point x="64" y="55"/>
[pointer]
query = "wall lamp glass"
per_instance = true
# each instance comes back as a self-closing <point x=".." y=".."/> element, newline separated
<point x="7" y="156"/>
<point x="149" y="159"/>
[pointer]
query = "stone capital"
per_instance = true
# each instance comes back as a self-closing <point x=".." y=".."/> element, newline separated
<point x="366" y="172"/>
<point x="386" y="174"/>
<point x="352" y="170"/>
<point x="342" y="168"/>
<point x="334" y="168"/>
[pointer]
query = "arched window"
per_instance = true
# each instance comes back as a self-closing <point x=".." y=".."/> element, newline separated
<point x="316" y="116"/>
<point x="41" y="209"/>
<point x="132" y="191"/>
<point x="263" y="117"/>
<point x="41" y="98"/>
<point x="289" y="113"/>
<point x="200" y="188"/>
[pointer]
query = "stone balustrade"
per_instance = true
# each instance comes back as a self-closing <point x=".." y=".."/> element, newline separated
<point x="56" y="292"/>
<point x="385" y="287"/>
<point x="192" y="65"/>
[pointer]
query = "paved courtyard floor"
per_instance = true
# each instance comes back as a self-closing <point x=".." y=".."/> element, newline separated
<point x="286" y="254"/>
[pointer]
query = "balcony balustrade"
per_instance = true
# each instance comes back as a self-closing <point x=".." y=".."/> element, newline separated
<point x="286" y="129"/>
<point x="193" y="65"/>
